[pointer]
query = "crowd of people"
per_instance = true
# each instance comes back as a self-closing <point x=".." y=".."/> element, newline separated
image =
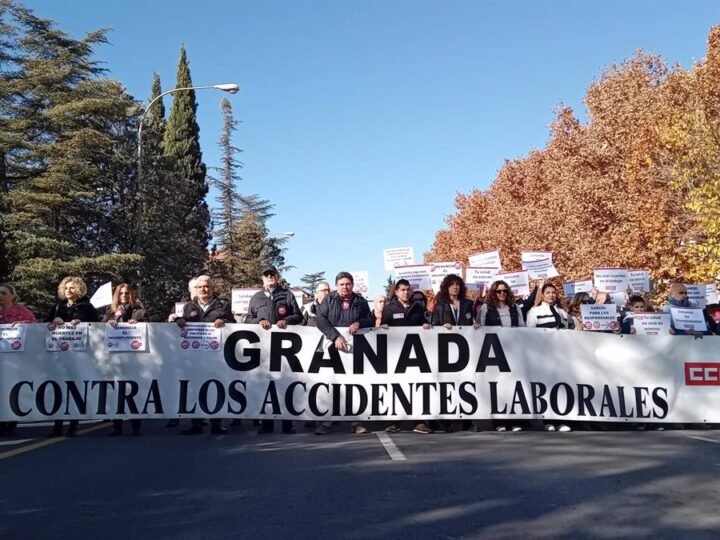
<point x="275" y="305"/>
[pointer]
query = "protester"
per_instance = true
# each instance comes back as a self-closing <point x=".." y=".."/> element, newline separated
<point x="125" y="308"/>
<point x="207" y="308"/>
<point x="575" y="311"/>
<point x="73" y="306"/>
<point x="343" y="308"/>
<point x="635" y="304"/>
<point x="378" y="306"/>
<point x="418" y="297"/>
<point x="12" y="313"/>
<point x="273" y="305"/>
<point x="452" y="308"/>
<point x="678" y="298"/>
<point x="310" y="310"/>
<point x="547" y="314"/>
<point x="400" y="311"/>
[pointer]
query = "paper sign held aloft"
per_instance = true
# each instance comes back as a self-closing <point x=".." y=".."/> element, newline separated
<point x="688" y="319"/>
<point x="519" y="282"/>
<point x="639" y="280"/>
<point x="651" y="323"/>
<point x="438" y="271"/>
<point x="486" y="259"/>
<point x="532" y="256"/>
<point x="417" y="274"/>
<point x="402" y="256"/>
<point x="697" y="294"/>
<point x="362" y="282"/>
<point x="478" y="279"/>
<point x="540" y="269"/>
<point x="201" y="337"/>
<point x="610" y="279"/>
<point x="66" y="338"/>
<point x="12" y="338"/>
<point x="103" y="296"/>
<point x="599" y="317"/>
<point x="240" y="300"/>
<point x="126" y="337"/>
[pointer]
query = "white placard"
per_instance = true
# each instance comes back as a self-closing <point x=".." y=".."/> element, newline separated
<point x="532" y="256"/>
<point x="584" y="285"/>
<point x="651" y="323"/>
<point x="540" y="269"/>
<point x="619" y="298"/>
<point x="639" y="280"/>
<point x="478" y="279"/>
<point x="126" y="337"/>
<point x="438" y="271"/>
<point x="519" y="282"/>
<point x="66" y="338"/>
<point x="697" y="295"/>
<point x="610" y="279"/>
<point x="486" y="259"/>
<point x="362" y="282"/>
<point x="599" y="317"/>
<point x="417" y="274"/>
<point x="401" y="256"/>
<point x="569" y="289"/>
<point x="200" y="336"/>
<point x="240" y="300"/>
<point x="103" y="296"/>
<point x="180" y="308"/>
<point x="688" y="319"/>
<point x="12" y="338"/>
<point x="711" y="294"/>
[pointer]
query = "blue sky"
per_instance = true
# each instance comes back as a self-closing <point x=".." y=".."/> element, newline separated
<point x="361" y="120"/>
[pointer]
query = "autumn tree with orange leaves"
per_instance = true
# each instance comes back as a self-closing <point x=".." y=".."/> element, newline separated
<point x="637" y="185"/>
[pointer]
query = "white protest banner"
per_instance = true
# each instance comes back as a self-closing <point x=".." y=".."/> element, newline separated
<point x="651" y="323"/>
<point x="688" y="319"/>
<point x="478" y="279"/>
<point x="200" y="336"/>
<point x="610" y="279"/>
<point x="361" y="282"/>
<point x="486" y="259"/>
<point x="509" y="374"/>
<point x="12" y="338"/>
<point x="519" y="282"/>
<point x="66" y="337"/>
<point x="697" y="294"/>
<point x="103" y="296"/>
<point x="599" y="317"/>
<point x="639" y="280"/>
<point x="240" y="300"/>
<point x="126" y="337"/>
<point x="540" y="269"/>
<point x="417" y="274"/>
<point x="711" y="294"/>
<point x="569" y="289"/>
<point x="532" y="256"/>
<point x="438" y="271"/>
<point x="179" y="307"/>
<point x="402" y="256"/>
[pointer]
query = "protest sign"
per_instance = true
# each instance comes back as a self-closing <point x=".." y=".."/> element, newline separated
<point x="697" y="295"/>
<point x="438" y="271"/>
<point x="639" y="280"/>
<point x="540" y="269"/>
<point x="486" y="259"/>
<point x="402" y="256"/>
<point x="519" y="282"/>
<point x="179" y="307"/>
<point x="103" y="296"/>
<point x="532" y="256"/>
<point x="688" y="319"/>
<point x="711" y="294"/>
<point x="599" y="317"/>
<point x="651" y="323"/>
<point x="417" y="274"/>
<point x="12" y="337"/>
<point x="610" y="279"/>
<point x="478" y="279"/>
<point x="126" y="337"/>
<point x="361" y="280"/>
<point x="200" y="336"/>
<point x="240" y="300"/>
<point x="66" y="337"/>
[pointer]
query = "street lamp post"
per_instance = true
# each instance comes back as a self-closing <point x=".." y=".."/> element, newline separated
<point x="230" y="88"/>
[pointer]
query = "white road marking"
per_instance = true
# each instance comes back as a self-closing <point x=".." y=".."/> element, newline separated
<point x="49" y="424"/>
<point x="393" y="451"/>
<point x="14" y="442"/>
<point x="714" y="441"/>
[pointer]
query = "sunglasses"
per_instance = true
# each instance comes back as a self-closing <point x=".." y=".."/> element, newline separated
<point x="501" y="291"/>
<point x="269" y="274"/>
<point x="587" y="302"/>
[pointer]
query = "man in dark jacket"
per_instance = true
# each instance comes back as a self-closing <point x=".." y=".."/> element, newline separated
<point x="207" y="308"/>
<point x="310" y="310"/>
<point x="343" y="308"/>
<point x="273" y="305"/>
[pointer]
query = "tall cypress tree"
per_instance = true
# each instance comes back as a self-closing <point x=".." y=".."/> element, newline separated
<point x="181" y="143"/>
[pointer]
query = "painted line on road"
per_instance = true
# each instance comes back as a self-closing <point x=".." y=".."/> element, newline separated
<point x="14" y="442"/>
<point x="714" y="441"/>
<point x="393" y="451"/>
<point x="50" y="424"/>
<point x="48" y="442"/>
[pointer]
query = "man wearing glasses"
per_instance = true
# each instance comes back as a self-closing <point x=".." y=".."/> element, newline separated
<point x="273" y="305"/>
<point x="310" y="311"/>
<point x="678" y="298"/>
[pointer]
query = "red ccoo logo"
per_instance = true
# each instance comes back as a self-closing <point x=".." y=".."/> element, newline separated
<point x="702" y="373"/>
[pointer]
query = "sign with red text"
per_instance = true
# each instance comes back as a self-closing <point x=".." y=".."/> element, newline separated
<point x="610" y="279"/>
<point x="361" y="280"/>
<point x="126" y="337"/>
<point x="651" y="324"/>
<point x="66" y="338"/>
<point x="438" y="271"/>
<point x="202" y="337"/>
<point x="599" y="317"/>
<point x="12" y="338"/>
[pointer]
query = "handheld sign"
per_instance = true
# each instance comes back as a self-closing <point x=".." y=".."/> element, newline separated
<point x="532" y="256"/>
<point x="639" y="280"/>
<point x="651" y="323"/>
<point x="240" y="300"/>
<point x="486" y="259"/>
<point x="417" y="274"/>
<point x="697" y="294"/>
<point x="66" y="338"/>
<point x="179" y="308"/>
<point x="402" y="256"/>
<point x="126" y="337"/>
<point x="688" y="319"/>
<point x="540" y="269"/>
<point x="599" y="317"/>
<point x="478" y="279"/>
<point x="12" y="338"/>
<point x="361" y="280"/>
<point x="438" y="271"/>
<point x="610" y="279"/>
<point x="200" y="337"/>
<point x="519" y="282"/>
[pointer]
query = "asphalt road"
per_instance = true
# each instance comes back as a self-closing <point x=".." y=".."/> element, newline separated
<point x="619" y="484"/>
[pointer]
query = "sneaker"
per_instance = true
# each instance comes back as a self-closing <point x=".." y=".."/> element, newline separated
<point x="516" y="429"/>
<point x="564" y="428"/>
<point x="322" y="429"/>
<point x="501" y="429"/>
<point x="359" y="429"/>
<point x="394" y="428"/>
<point x="422" y="428"/>
<point x="549" y="427"/>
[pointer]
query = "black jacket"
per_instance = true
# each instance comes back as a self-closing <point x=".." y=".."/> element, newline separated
<point x="124" y="313"/>
<point x="218" y="309"/>
<point x="81" y="310"/>
<point x="309" y="312"/>
<point x="280" y="305"/>
<point x="442" y="314"/>
<point x="336" y="312"/>
<point x="394" y="314"/>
